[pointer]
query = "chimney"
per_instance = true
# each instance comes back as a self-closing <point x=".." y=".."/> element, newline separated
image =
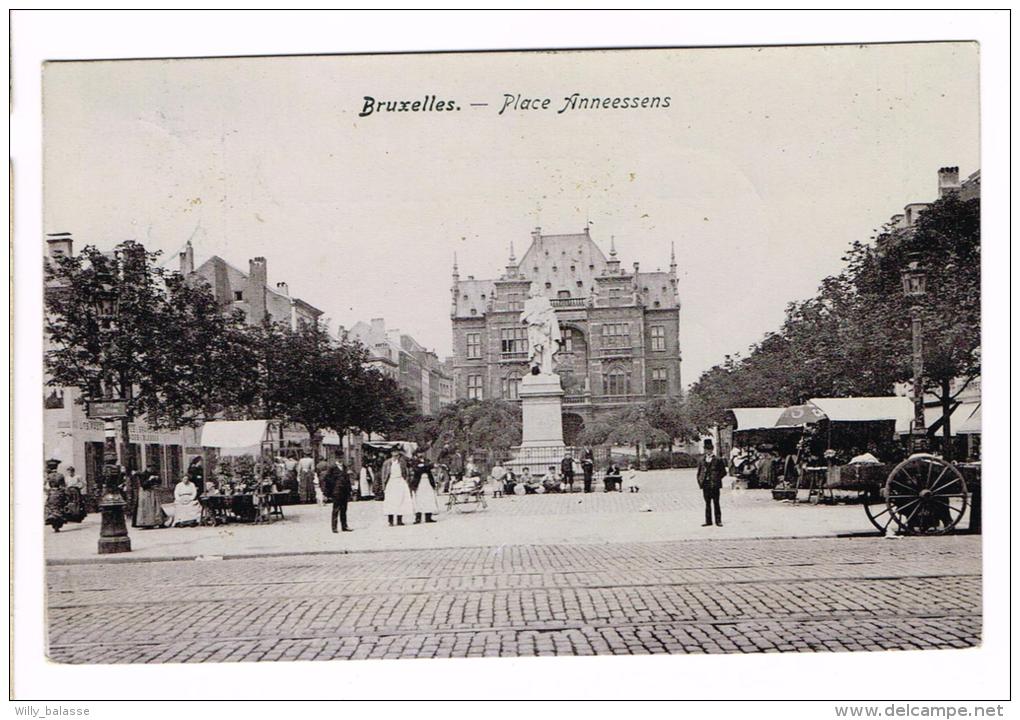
<point x="281" y="287"/>
<point x="187" y="258"/>
<point x="949" y="180"/>
<point x="58" y="244"/>
<point x="256" y="292"/>
<point x="637" y="268"/>
<point x="536" y="235"/>
<point x="378" y="327"/>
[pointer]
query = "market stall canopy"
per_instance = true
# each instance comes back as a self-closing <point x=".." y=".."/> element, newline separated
<point x="867" y="409"/>
<point x="797" y="415"/>
<point x="756" y="418"/>
<point x="386" y="445"/>
<point x="965" y="419"/>
<point x="235" y="437"/>
<point x="330" y="438"/>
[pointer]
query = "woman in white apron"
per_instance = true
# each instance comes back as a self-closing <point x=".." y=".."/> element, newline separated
<point x="423" y="491"/>
<point x="365" y="482"/>
<point x="396" y="477"/>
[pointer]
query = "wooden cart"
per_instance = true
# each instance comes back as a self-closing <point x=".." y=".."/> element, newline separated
<point x="923" y="495"/>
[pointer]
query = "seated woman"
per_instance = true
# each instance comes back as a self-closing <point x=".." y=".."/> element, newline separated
<point x="185" y="510"/>
<point x="551" y="481"/>
<point x="613" y="479"/>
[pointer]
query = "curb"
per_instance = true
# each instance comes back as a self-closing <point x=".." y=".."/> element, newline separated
<point x="119" y="559"/>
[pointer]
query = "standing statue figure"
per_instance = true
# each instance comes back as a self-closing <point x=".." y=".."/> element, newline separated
<point x="544" y="337"/>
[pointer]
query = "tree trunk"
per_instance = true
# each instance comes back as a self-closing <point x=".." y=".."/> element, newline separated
<point x="947" y="431"/>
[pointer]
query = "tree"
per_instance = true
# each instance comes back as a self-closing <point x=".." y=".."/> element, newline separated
<point x="854" y="336"/>
<point x="670" y="415"/>
<point x="628" y="426"/>
<point x="118" y="326"/>
<point x="468" y="425"/>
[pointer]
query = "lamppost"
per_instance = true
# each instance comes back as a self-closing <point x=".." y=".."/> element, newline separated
<point x="913" y="277"/>
<point x="113" y="535"/>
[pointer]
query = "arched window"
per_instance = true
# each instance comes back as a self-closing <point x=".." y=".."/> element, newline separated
<point x="616" y="382"/>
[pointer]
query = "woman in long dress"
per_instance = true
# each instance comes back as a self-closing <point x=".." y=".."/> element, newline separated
<point x="148" y="514"/>
<point x="75" y="488"/>
<point x="396" y="475"/>
<point x="56" y="498"/>
<point x="423" y="491"/>
<point x="365" y="482"/>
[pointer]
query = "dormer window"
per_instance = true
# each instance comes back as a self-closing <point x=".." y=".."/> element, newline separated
<point x="580" y="284"/>
<point x="238" y="295"/>
<point x="548" y="285"/>
<point x="555" y="268"/>
<point x="573" y="268"/>
<point x="473" y="311"/>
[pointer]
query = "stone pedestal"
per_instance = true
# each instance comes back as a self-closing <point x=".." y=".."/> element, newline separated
<point x="541" y="410"/>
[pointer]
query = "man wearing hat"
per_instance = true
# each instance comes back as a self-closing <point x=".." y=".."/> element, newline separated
<point x="711" y="471"/>
<point x="396" y="478"/>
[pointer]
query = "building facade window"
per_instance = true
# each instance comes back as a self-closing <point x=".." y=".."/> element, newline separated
<point x="513" y="340"/>
<point x="474" y="387"/>
<point x="567" y="335"/>
<point x="239" y="295"/>
<point x="616" y="335"/>
<point x="474" y="346"/>
<point x="511" y="388"/>
<point x="658" y="337"/>
<point x="514" y="301"/>
<point x="660" y="381"/>
<point x="563" y="294"/>
<point x="616" y="382"/>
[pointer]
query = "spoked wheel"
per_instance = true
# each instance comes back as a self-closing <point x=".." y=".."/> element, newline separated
<point x="925" y="495"/>
<point x="877" y="510"/>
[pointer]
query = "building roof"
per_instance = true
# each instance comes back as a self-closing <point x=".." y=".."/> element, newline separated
<point x="865" y="409"/>
<point x="473" y="295"/>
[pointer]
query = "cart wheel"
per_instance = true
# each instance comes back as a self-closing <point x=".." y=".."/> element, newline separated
<point x="926" y="495"/>
<point x="877" y="510"/>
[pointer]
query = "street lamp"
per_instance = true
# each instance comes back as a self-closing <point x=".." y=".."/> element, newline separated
<point x="113" y="535"/>
<point x="914" y="281"/>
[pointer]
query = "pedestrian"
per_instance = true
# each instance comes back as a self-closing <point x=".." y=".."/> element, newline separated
<point x="148" y="513"/>
<point x="551" y="481"/>
<point x="588" y="468"/>
<point x="631" y="478"/>
<point x="75" y="487"/>
<point x="711" y="471"/>
<point x="396" y="478"/>
<point x="56" y="496"/>
<point x="567" y="470"/>
<point x="306" y="477"/>
<point x="497" y="479"/>
<point x="338" y="489"/>
<point x="197" y="474"/>
<point x="366" y="481"/>
<point x="423" y="490"/>
<point x="613" y="479"/>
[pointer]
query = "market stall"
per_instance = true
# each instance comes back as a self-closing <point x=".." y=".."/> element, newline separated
<point x="759" y="440"/>
<point x="243" y="487"/>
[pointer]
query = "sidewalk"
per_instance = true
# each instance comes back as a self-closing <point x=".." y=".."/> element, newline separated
<point x="669" y="507"/>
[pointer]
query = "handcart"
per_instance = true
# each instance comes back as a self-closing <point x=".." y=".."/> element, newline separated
<point x="923" y="495"/>
<point x="466" y="494"/>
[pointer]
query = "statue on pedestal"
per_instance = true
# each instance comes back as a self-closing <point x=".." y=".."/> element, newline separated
<point x="544" y="339"/>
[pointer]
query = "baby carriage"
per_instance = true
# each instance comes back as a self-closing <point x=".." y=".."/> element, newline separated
<point x="467" y="493"/>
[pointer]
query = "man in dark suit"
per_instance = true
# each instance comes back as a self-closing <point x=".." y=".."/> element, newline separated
<point x="711" y="471"/>
<point x="338" y="489"/>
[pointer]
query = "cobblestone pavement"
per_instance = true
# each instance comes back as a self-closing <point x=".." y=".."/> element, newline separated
<point x="698" y="596"/>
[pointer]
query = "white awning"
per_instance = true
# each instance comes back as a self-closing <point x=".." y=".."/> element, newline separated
<point x="330" y="438"/>
<point x="867" y="409"/>
<point x="964" y="420"/>
<point x="756" y="418"/>
<point x="235" y="437"/>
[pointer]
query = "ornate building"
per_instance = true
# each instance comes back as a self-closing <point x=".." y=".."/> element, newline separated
<point x="620" y="328"/>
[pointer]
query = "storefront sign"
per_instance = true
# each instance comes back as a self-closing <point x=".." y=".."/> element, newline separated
<point x="106" y="409"/>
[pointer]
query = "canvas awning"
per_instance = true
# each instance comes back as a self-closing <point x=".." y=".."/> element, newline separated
<point x="868" y="409"/>
<point x="235" y="437"/>
<point x="330" y="438"/>
<point x="964" y="420"/>
<point x="756" y="418"/>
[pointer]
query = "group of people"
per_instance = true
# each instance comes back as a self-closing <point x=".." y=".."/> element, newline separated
<point x="504" y="481"/>
<point x="409" y="489"/>
<point x="65" y="496"/>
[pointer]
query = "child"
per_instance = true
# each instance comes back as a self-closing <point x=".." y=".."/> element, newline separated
<point x="631" y="477"/>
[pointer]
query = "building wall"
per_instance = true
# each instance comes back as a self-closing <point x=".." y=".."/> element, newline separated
<point x="606" y="299"/>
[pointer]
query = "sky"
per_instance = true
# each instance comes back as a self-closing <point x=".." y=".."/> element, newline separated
<point x="767" y="163"/>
